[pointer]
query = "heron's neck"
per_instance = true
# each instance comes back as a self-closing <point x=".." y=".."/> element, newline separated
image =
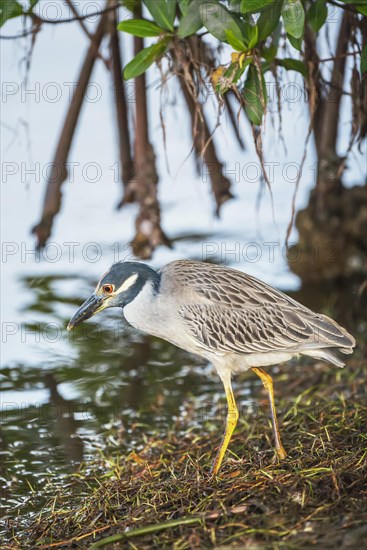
<point x="147" y="273"/>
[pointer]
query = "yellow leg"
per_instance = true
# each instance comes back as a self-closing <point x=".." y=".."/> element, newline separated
<point x="268" y="383"/>
<point x="232" y="418"/>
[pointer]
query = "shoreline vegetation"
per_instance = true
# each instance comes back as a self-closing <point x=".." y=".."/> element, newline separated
<point x="161" y="495"/>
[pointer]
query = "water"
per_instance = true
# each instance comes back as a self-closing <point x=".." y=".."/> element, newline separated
<point x="65" y="396"/>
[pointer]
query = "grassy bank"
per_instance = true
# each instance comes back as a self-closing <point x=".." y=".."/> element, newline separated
<point x="160" y="495"/>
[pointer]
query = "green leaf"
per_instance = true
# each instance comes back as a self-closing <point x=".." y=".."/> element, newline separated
<point x="268" y="21"/>
<point x="218" y="20"/>
<point x="269" y="53"/>
<point x="255" y="96"/>
<point x="317" y="15"/>
<point x="294" y="65"/>
<point x="362" y="8"/>
<point x="130" y="5"/>
<point x="250" y="34"/>
<point x="364" y="60"/>
<point x="184" y="6"/>
<point x="144" y="59"/>
<point x="163" y="12"/>
<point x="235" y="42"/>
<point x="253" y="6"/>
<point x="139" y="27"/>
<point x="172" y="6"/>
<point x="8" y="10"/>
<point x="293" y="16"/>
<point x="296" y="42"/>
<point x="190" y="23"/>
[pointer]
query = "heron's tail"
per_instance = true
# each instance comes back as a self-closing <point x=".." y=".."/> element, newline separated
<point x="325" y="355"/>
<point x="328" y="334"/>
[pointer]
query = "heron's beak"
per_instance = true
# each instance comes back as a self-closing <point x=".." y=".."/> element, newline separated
<point x="88" y="309"/>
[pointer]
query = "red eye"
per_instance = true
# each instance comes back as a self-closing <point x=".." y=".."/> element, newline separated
<point x="108" y="289"/>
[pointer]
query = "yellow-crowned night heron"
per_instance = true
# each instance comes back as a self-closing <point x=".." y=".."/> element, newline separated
<point x="231" y="319"/>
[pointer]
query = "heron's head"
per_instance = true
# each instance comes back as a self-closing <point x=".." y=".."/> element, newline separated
<point x="116" y="288"/>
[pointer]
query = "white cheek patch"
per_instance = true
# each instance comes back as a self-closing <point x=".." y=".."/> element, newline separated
<point x="127" y="284"/>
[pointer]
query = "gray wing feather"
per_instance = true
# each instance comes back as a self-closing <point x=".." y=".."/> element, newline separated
<point x="229" y="311"/>
<point x="265" y="330"/>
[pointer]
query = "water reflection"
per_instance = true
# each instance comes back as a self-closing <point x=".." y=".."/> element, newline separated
<point x="65" y="424"/>
<point x="117" y="381"/>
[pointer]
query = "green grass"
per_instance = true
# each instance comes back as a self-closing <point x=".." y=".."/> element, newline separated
<point x="162" y="496"/>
